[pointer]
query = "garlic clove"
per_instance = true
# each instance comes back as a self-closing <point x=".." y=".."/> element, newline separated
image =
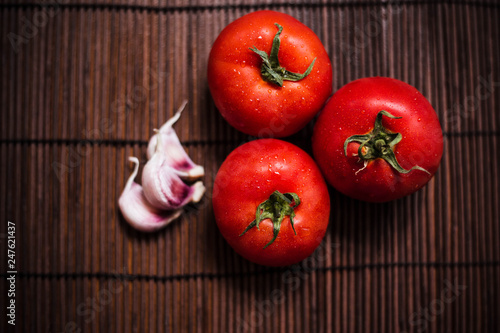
<point x="163" y="187"/>
<point x="165" y="128"/>
<point x="171" y="147"/>
<point x="137" y="211"/>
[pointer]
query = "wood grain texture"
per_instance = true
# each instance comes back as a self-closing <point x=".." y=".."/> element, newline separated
<point x="84" y="83"/>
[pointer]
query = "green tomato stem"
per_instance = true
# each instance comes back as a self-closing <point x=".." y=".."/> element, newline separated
<point x="271" y="70"/>
<point x="275" y="208"/>
<point x="379" y="143"/>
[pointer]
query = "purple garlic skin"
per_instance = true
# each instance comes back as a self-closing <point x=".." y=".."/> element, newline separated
<point x="163" y="186"/>
<point x="176" y="156"/>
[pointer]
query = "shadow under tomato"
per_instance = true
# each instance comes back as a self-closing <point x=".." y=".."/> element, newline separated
<point x="375" y="232"/>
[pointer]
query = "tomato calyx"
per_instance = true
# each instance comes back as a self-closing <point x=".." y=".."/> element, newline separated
<point x="379" y="143"/>
<point x="271" y="70"/>
<point x="275" y="208"/>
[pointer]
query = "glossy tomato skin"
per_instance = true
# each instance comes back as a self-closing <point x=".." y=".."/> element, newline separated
<point x="352" y="110"/>
<point x="247" y="177"/>
<point x="249" y="103"/>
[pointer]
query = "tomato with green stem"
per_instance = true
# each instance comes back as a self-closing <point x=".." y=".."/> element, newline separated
<point x="378" y="139"/>
<point x="271" y="202"/>
<point x="269" y="74"/>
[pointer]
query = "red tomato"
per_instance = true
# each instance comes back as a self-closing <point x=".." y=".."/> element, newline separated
<point x="254" y="102"/>
<point x="359" y="149"/>
<point x="277" y="183"/>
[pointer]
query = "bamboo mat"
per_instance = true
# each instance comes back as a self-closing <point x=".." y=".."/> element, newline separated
<point x="84" y="84"/>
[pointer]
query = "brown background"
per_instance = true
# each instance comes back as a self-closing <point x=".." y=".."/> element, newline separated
<point x="82" y="87"/>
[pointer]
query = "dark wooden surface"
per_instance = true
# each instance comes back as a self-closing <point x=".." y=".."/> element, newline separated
<point x="82" y="87"/>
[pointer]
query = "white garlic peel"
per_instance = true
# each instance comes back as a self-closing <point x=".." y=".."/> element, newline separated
<point x="137" y="211"/>
<point x="163" y="192"/>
